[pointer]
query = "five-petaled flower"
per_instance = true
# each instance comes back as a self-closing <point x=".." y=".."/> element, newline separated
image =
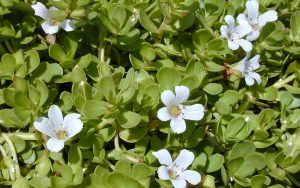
<point x="176" y="111"/>
<point x="176" y="171"/>
<point x="247" y="67"/>
<point x="51" y="26"/>
<point x="234" y="35"/>
<point x="59" y="129"/>
<point x="254" y="20"/>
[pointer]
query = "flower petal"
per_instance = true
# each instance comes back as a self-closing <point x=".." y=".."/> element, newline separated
<point x="249" y="80"/>
<point x="55" y="115"/>
<point x="178" y="125"/>
<point x="194" y="112"/>
<point x="163" y="114"/>
<point x="243" y="30"/>
<point x="45" y="126"/>
<point x="162" y="172"/>
<point x="253" y="35"/>
<point x="163" y="157"/>
<point x="183" y="160"/>
<point x="224" y="31"/>
<point x="168" y="98"/>
<point x="40" y="10"/>
<point x="55" y="145"/>
<point x="255" y="76"/>
<point x="178" y="183"/>
<point x="246" y="45"/>
<point x="182" y="93"/>
<point x="72" y="124"/>
<point x="230" y="21"/>
<point x="241" y="19"/>
<point x="49" y="29"/>
<point x="67" y="25"/>
<point x="233" y="45"/>
<point x="193" y="177"/>
<point x="266" y="17"/>
<point x="254" y="62"/>
<point x="252" y="8"/>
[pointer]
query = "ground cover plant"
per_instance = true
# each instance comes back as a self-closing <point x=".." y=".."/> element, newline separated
<point x="149" y="93"/>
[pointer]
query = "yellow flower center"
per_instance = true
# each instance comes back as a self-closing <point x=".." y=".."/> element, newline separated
<point x="172" y="174"/>
<point x="61" y="135"/>
<point x="54" y="22"/>
<point x="175" y="110"/>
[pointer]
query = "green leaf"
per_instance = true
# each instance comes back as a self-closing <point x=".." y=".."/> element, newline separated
<point x="168" y="77"/>
<point x="128" y="119"/>
<point x="57" y="53"/>
<point x="213" y="88"/>
<point x="7" y="66"/>
<point x="134" y="134"/>
<point x="146" y="22"/>
<point x="141" y="171"/>
<point x="93" y="109"/>
<point x="215" y="162"/>
<point x="295" y="26"/>
<point x="78" y="75"/>
<point x="124" y="167"/>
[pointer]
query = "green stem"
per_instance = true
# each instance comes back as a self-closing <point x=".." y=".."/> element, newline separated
<point x="3" y="152"/>
<point x="293" y="180"/>
<point x="105" y="122"/>
<point x="2" y="49"/>
<point x="221" y="77"/>
<point x="14" y="154"/>
<point x="109" y="164"/>
<point x="23" y="136"/>
<point x="281" y="82"/>
<point x="116" y="143"/>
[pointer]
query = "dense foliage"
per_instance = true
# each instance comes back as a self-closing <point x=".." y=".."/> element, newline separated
<point x="112" y="69"/>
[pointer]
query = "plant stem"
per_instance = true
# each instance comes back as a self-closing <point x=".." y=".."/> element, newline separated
<point x="9" y="47"/>
<point x="24" y="136"/>
<point x="281" y="82"/>
<point x="14" y="154"/>
<point x="105" y="122"/>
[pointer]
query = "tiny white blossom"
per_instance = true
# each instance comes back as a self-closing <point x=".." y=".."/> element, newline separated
<point x="256" y="21"/>
<point x="51" y="26"/>
<point x="247" y="67"/>
<point x="59" y="129"/>
<point x="176" y="111"/>
<point x="176" y="171"/>
<point x="234" y="35"/>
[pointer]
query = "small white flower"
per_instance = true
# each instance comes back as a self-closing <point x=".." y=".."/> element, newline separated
<point x="51" y="26"/>
<point x="247" y="67"/>
<point x="254" y="20"/>
<point x="59" y="129"/>
<point x="176" y="111"/>
<point x="234" y="34"/>
<point x="176" y="171"/>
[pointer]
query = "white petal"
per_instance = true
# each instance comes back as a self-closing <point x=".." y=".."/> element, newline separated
<point x="55" y="145"/>
<point x="183" y="160"/>
<point x="178" y="125"/>
<point x="246" y="45"/>
<point x="179" y="183"/>
<point x="253" y="35"/>
<point x="241" y="19"/>
<point x="40" y="10"/>
<point x="55" y="115"/>
<point x="193" y="177"/>
<point x="224" y="31"/>
<point x="254" y="62"/>
<point x="49" y="29"/>
<point x="168" y="98"/>
<point x="163" y="157"/>
<point x="252" y="8"/>
<point x="45" y="126"/>
<point x="182" y="93"/>
<point x="255" y="76"/>
<point x="233" y="45"/>
<point x="162" y="172"/>
<point x="163" y="114"/>
<point x="72" y="124"/>
<point x="249" y="80"/>
<point x="194" y="112"/>
<point x="266" y="17"/>
<point x="243" y="30"/>
<point x="67" y="25"/>
<point x="230" y="21"/>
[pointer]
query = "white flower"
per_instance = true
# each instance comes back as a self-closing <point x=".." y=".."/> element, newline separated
<point x="51" y="26"/>
<point x="176" y="111"/>
<point x="59" y="129"/>
<point x="176" y="171"/>
<point x="254" y="20"/>
<point x="247" y="67"/>
<point x="234" y="35"/>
